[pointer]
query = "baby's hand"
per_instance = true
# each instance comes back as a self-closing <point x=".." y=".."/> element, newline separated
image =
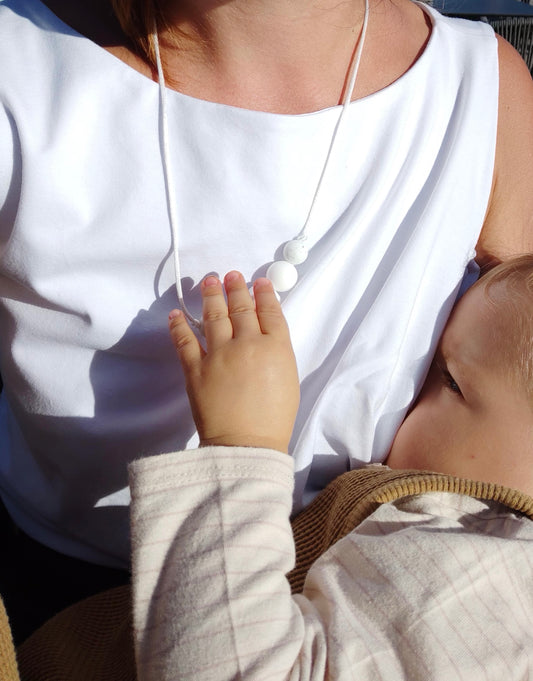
<point x="244" y="388"/>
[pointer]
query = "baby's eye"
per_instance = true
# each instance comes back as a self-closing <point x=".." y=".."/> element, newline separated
<point x="449" y="381"/>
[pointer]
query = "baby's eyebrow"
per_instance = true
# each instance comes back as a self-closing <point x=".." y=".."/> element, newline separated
<point x="461" y="370"/>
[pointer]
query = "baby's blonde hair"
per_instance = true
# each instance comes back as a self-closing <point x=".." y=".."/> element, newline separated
<point x="509" y="287"/>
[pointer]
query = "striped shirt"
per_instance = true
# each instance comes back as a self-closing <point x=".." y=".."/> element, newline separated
<point x="430" y="587"/>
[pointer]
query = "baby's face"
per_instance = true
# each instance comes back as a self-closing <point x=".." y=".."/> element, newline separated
<point x="472" y="419"/>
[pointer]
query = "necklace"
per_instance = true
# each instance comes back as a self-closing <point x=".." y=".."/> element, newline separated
<point x="282" y="273"/>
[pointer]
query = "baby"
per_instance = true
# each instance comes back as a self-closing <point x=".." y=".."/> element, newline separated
<point x="433" y="581"/>
<point x="474" y="415"/>
<point x="476" y="403"/>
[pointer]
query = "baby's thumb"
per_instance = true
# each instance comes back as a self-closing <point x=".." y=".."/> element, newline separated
<point x="187" y="346"/>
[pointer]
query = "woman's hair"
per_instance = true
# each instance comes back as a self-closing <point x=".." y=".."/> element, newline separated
<point x="137" y="19"/>
<point x="509" y="287"/>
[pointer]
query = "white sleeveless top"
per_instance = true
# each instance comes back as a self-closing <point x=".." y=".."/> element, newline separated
<point x="91" y="379"/>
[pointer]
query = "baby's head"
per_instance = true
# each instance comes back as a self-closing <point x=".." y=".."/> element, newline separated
<point x="474" y="415"/>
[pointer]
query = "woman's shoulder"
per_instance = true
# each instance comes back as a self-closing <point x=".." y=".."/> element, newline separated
<point x="27" y="29"/>
<point x="459" y="39"/>
<point x="508" y="226"/>
<point x="515" y="79"/>
<point x="94" y="20"/>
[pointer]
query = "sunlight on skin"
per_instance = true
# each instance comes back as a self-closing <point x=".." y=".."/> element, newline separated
<point x="472" y="418"/>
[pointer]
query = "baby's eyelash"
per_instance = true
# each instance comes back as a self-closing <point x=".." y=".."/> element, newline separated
<point x="452" y="384"/>
<point x="449" y="380"/>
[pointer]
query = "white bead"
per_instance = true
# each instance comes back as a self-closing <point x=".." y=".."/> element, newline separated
<point x="283" y="275"/>
<point x="295" y="252"/>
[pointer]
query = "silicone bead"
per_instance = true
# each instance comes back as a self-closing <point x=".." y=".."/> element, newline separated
<point x="295" y="252"/>
<point x="283" y="275"/>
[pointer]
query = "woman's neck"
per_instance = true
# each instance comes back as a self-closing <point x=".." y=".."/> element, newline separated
<point x="283" y="56"/>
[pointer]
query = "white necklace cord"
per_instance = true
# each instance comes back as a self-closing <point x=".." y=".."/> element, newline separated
<point x="352" y="77"/>
<point x="278" y="270"/>
<point x="169" y="181"/>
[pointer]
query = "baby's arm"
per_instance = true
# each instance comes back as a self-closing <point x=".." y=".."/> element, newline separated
<point x="243" y="388"/>
<point x="212" y="543"/>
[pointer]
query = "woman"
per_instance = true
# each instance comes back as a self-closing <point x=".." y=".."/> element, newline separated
<point x="429" y="166"/>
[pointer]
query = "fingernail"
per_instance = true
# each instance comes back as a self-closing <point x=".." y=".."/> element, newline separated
<point x="175" y="313"/>
<point x="210" y="281"/>
<point x="262" y="282"/>
<point x="232" y="276"/>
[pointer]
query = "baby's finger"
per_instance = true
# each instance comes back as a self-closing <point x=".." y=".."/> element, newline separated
<point x="241" y="306"/>
<point x="268" y="308"/>
<point x="217" y="324"/>
<point x="189" y="350"/>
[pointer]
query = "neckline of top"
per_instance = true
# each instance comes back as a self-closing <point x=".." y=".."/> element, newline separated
<point x="119" y="64"/>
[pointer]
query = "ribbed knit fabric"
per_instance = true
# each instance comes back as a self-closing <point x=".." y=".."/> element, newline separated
<point x="92" y="640"/>
<point x="8" y="663"/>
<point x="352" y="497"/>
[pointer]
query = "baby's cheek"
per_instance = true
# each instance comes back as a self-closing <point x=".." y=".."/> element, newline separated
<point x="421" y="439"/>
<point x="407" y="444"/>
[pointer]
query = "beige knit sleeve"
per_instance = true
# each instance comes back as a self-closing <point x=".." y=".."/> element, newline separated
<point x="431" y="586"/>
<point x="211" y="546"/>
